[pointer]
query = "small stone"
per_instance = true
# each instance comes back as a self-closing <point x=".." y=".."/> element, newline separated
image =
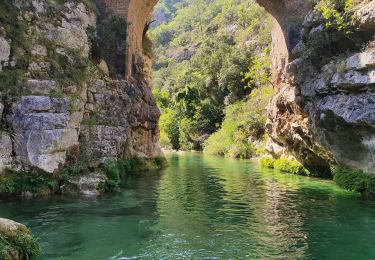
<point x="39" y="50"/>
<point x="104" y="67"/>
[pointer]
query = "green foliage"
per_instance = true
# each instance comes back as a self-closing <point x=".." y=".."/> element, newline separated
<point x="35" y="181"/>
<point x="267" y="162"/>
<point x="91" y="6"/>
<point x="332" y="12"/>
<point x="337" y="37"/>
<point x="21" y="242"/>
<point x="259" y="73"/>
<point x="113" y="172"/>
<point x="284" y="165"/>
<point x="116" y="170"/>
<point x="354" y="180"/>
<point x="11" y="84"/>
<point x="290" y="166"/>
<point x="38" y="182"/>
<point x="147" y="46"/>
<point x="242" y="120"/>
<point x="91" y="120"/>
<point x="203" y="51"/>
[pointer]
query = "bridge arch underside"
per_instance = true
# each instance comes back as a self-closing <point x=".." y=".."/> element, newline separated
<point x="287" y="21"/>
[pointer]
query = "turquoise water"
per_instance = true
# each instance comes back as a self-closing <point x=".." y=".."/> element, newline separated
<point x="204" y="207"/>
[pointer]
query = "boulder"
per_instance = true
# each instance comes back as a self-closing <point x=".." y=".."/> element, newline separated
<point x="44" y="130"/>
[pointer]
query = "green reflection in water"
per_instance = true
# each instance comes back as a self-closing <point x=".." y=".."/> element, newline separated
<point x="204" y="207"/>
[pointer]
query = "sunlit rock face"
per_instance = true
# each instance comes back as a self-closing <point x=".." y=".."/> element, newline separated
<point x="55" y="119"/>
<point x="322" y="115"/>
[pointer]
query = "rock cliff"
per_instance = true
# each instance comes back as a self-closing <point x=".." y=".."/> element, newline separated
<point x="323" y="111"/>
<point x="58" y="104"/>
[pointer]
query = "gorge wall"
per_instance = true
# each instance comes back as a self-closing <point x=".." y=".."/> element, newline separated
<point x="58" y="106"/>
<point x="323" y="111"/>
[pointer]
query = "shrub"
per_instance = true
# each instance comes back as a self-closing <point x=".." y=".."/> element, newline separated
<point x="290" y="166"/>
<point x="267" y="162"/>
<point x="332" y="12"/>
<point x="113" y="173"/>
<point x="354" y="180"/>
<point x="36" y="181"/>
<point x="284" y="165"/>
<point x="242" y="120"/>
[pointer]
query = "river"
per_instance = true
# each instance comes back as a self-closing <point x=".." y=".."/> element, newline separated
<point x="204" y="207"/>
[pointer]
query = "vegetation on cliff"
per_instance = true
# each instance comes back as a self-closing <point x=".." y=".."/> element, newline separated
<point x="206" y="55"/>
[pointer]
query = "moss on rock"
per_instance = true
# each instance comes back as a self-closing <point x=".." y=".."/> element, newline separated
<point x="284" y="165"/>
<point x="17" y="242"/>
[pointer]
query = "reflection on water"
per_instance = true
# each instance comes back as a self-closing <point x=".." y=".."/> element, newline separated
<point x="204" y="207"/>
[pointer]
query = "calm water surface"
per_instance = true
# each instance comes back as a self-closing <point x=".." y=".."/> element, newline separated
<point x="204" y="207"/>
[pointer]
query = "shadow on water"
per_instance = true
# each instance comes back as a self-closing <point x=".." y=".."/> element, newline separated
<point x="204" y="207"/>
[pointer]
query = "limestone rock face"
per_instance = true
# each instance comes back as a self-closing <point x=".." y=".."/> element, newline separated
<point x="325" y="115"/>
<point x="43" y="131"/>
<point x="126" y="122"/>
<point x="72" y="28"/>
<point x="66" y="110"/>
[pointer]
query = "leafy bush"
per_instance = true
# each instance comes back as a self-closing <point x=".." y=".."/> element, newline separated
<point x="242" y="120"/>
<point x="332" y="12"/>
<point x="354" y="180"/>
<point x="284" y="165"/>
<point x="290" y="166"/>
<point x="267" y="162"/>
<point x="35" y="181"/>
